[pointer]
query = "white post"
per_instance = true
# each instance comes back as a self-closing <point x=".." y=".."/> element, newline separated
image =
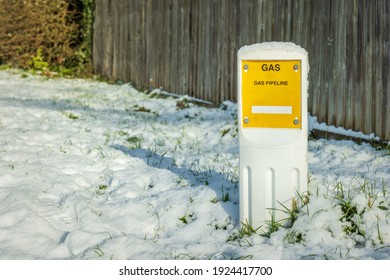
<point x="273" y="129"/>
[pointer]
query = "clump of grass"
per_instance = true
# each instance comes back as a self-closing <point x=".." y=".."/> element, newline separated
<point x="294" y="236"/>
<point x="101" y="189"/>
<point x="291" y="213"/>
<point x="232" y="130"/>
<point x="182" y="103"/>
<point x="380" y="235"/>
<point x="224" y="197"/>
<point x="38" y="63"/>
<point x="272" y="226"/>
<point x="133" y="142"/>
<point x="141" y="109"/>
<point x="382" y="146"/>
<point x="247" y="230"/>
<point x="349" y="211"/>
<point x="72" y="116"/>
<point x="98" y="251"/>
<point x="5" y="66"/>
<point x="187" y="218"/>
<point x="11" y="165"/>
<point x="244" y="231"/>
<point x="230" y="172"/>
<point x="183" y="219"/>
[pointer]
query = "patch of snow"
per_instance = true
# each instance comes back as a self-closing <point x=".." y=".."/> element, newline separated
<point x="315" y="125"/>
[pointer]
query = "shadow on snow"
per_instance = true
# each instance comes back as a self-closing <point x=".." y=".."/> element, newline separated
<point x="226" y="191"/>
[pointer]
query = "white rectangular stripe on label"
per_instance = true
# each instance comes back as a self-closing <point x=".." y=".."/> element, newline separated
<point x="272" y="110"/>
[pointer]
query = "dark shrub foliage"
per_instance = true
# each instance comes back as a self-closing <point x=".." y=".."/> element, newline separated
<point x="58" y="31"/>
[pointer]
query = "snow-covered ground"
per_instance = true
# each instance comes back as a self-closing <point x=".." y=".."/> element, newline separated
<point x="90" y="170"/>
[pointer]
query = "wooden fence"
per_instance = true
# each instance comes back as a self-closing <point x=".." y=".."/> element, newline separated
<point x="189" y="47"/>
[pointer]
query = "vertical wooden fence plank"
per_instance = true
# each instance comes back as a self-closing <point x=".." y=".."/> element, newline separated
<point x="339" y="67"/>
<point x="351" y="63"/>
<point x="360" y="67"/>
<point x="385" y="45"/>
<point x="97" y="37"/>
<point x="108" y="46"/>
<point x="368" y="70"/>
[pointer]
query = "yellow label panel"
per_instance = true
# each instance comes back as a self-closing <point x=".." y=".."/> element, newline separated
<point x="271" y="93"/>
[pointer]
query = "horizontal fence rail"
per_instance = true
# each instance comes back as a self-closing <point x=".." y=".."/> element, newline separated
<point x="189" y="47"/>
